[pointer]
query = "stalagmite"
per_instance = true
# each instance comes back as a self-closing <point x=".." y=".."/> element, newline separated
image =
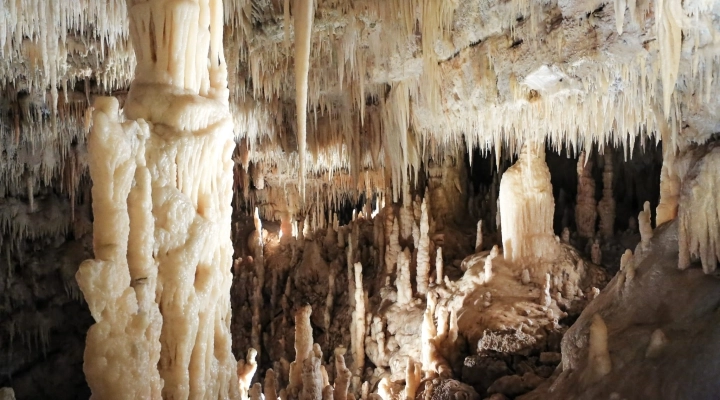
<point x="487" y="267"/>
<point x="565" y="235"/>
<point x="404" y="288"/>
<point x="245" y="372"/>
<point x="162" y="204"/>
<point x="312" y="382"/>
<point x="439" y="278"/>
<point x="303" y="347"/>
<point x="479" y="237"/>
<point x="125" y="319"/>
<point x="358" y="324"/>
<point x="428" y="333"/>
<point x="606" y="206"/>
<point x="596" y="252"/>
<point x="303" y="21"/>
<point x="342" y="376"/>
<point x="599" y="363"/>
<point x="328" y="393"/>
<point x="393" y="248"/>
<point x="330" y="299"/>
<point x="546" y="298"/>
<point x="412" y="379"/>
<point x="585" y="209"/>
<point x="423" y="252"/>
<point x="658" y="340"/>
<point x="270" y="385"/>
<point x="627" y="265"/>
<point x="256" y="392"/>
<point x="384" y="389"/>
<point x="646" y="231"/>
<point x="527" y="207"/>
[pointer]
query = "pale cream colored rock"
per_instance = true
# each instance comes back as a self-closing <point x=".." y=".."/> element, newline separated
<point x="527" y="207"/>
<point x="412" y="380"/>
<point x="599" y="363"/>
<point x="180" y="217"/>
<point x="342" y="377"/>
<point x="245" y="373"/>
<point x="303" y="349"/>
<point x="402" y="283"/>
<point x="358" y="325"/>
<point x="423" y="252"/>
<point x="439" y="268"/>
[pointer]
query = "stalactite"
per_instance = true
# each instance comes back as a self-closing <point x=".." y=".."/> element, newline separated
<point x="698" y="215"/>
<point x="303" y="20"/>
<point x="667" y="208"/>
<point x="669" y="34"/>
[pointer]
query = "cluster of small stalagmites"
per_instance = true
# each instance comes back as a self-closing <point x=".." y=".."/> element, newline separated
<point x="306" y="378"/>
<point x="400" y="269"/>
<point x="309" y="377"/>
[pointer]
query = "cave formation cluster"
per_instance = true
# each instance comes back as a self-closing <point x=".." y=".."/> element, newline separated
<point x="372" y="199"/>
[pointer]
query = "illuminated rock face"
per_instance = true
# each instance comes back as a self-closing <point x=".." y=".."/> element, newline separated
<point x="526" y="207"/>
<point x="159" y="286"/>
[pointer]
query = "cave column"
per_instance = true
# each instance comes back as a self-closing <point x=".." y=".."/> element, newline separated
<point x="159" y="286"/>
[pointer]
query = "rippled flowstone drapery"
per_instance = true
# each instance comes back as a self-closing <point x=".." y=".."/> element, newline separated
<point x="159" y="286"/>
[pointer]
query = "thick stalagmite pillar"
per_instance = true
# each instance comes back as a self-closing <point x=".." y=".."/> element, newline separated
<point x="585" y="210"/>
<point x="527" y="206"/>
<point x="159" y="285"/>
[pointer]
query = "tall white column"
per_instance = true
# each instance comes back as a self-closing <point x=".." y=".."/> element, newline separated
<point x="159" y="286"/>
